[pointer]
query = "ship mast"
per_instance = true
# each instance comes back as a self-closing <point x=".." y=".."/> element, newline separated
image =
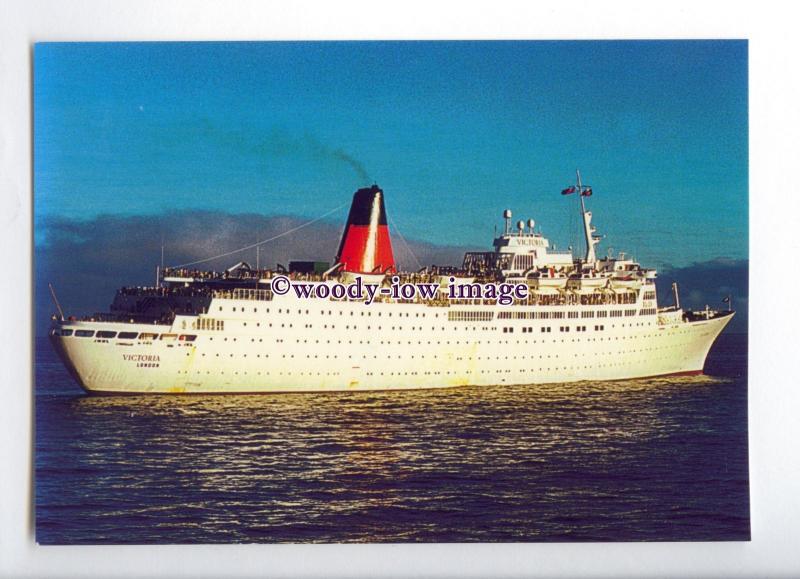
<point x="588" y="230"/>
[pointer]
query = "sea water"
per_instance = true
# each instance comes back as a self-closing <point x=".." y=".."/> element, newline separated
<point x="653" y="459"/>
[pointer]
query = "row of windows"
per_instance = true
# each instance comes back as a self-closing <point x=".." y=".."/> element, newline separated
<point x="107" y="335"/>
<point x="424" y="373"/>
<point x="462" y="316"/>
<point x="545" y="329"/>
<point x="530" y="315"/>
<point x="366" y="357"/>
<point x="570" y="315"/>
<point x="421" y="328"/>
<point x="208" y="324"/>
<point x="288" y="311"/>
<point x="437" y="342"/>
<point x="501" y="315"/>
<point x="467" y="371"/>
<point x="252" y="294"/>
<point x="149" y="336"/>
<point x="435" y="357"/>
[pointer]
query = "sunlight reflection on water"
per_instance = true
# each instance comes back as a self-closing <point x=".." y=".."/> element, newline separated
<point x="609" y="461"/>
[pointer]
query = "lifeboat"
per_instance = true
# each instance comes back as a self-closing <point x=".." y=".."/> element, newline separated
<point x="586" y="282"/>
<point x="626" y="281"/>
<point x="547" y="280"/>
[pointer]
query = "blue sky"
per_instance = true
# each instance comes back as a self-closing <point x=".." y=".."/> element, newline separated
<point x="454" y="132"/>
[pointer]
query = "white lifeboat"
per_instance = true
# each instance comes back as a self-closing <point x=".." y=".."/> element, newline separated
<point x="586" y="282"/>
<point x="626" y="281"/>
<point x="547" y="280"/>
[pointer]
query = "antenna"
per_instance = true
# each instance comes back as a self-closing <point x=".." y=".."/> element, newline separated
<point x="55" y="300"/>
<point x="507" y="217"/>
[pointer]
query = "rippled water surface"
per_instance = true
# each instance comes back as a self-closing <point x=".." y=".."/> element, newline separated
<point x="657" y="459"/>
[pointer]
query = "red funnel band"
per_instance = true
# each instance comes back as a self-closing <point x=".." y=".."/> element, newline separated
<point x="366" y="246"/>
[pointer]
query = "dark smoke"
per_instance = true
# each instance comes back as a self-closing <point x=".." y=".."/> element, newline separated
<point x="277" y="143"/>
<point x="321" y="151"/>
<point x="357" y="166"/>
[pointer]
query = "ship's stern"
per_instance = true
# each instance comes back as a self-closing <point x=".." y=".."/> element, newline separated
<point x="57" y="337"/>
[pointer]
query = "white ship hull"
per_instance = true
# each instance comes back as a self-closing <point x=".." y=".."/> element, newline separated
<point x="290" y="345"/>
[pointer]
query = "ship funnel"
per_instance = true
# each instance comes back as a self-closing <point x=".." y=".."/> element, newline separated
<point x="366" y="246"/>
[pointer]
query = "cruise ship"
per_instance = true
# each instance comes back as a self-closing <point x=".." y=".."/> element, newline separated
<point x="227" y="332"/>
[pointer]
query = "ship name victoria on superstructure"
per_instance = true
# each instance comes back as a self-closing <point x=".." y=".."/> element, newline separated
<point x="585" y="318"/>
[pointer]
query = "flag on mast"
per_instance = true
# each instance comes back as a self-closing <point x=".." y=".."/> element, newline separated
<point x="587" y="192"/>
<point x="568" y="190"/>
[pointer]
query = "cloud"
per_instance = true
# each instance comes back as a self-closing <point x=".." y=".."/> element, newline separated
<point x="709" y="282"/>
